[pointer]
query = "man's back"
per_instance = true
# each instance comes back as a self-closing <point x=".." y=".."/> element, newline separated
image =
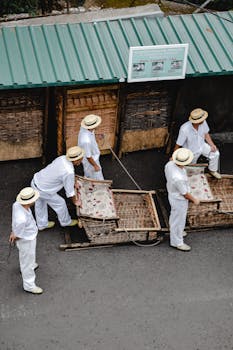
<point x="51" y="178"/>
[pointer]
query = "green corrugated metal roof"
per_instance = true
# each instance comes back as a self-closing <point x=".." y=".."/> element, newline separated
<point x="84" y="53"/>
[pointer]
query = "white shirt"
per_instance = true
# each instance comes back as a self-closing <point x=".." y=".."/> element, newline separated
<point x="191" y="138"/>
<point x="23" y="222"/>
<point x="87" y="141"/>
<point x="58" y="174"/>
<point x="177" y="181"/>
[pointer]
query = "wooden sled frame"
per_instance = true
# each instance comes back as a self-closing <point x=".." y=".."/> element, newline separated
<point x="148" y="235"/>
<point x="209" y="214"/>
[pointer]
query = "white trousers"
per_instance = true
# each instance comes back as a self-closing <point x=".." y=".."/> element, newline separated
<point x="90" y="172"/>
<point x="27" y="261"/>
<point x="177" y="220"/>
<point x="213" y="157"/>
<point x="56" y="202"/>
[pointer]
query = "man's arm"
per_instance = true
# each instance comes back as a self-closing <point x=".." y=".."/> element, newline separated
<point x="191" y="198"/>
<point x="210" y="142"/>
<point x="93" y="163"/>
<point x="176" y="147"/>
<point x="88" y="153"/>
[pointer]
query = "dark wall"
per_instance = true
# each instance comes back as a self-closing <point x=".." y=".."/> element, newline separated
<point x="213" y="94"/>
<point x="51" y="142"/>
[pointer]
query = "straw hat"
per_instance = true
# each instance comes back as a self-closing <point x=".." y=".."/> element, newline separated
<point x="27" y="196"/>
<point x="74" y="153"/>
<point x="198" y="115"/>
<point x="182" y="156"/>
<point x="91" y="121"/>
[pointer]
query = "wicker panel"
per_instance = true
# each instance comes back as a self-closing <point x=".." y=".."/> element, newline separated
<point x="223" y="189"/>
<point x="17" y="127"/>
<point x="121" y="237"/>
<point x="146" y="118"/>
<point x="203" y="215"/>
<point x="135" y="140"/>
<point x="214" y="214"/>
<point x="21" y="99"/>
<point x="97" y="228"/>
<point x="98" y="101"/>
<point x="135" y="211"/>
<point x="146" y="110"/>
<point x="103" y="232"/>
<point x="21" y="134"/>
<point x="21" y="124"/>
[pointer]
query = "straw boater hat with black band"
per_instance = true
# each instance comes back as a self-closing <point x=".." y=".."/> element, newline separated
<point x="198" y="115"/>
<point x="91" y="121"/>
<point x="27" y="196"/>
<point x="182" y="156"/>
<point x="74" y="153"/>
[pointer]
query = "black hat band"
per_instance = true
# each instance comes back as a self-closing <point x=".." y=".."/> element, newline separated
<point x="202" y="115"/>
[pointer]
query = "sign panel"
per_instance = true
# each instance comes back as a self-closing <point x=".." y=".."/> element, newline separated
<point x="159" y="62"/>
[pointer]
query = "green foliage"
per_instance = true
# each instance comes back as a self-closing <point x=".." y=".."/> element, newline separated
<point x="122" y="3"/>
<point x="221" y="5"/>
<point x="17" y="6"/>
<point x="46" y="6"/>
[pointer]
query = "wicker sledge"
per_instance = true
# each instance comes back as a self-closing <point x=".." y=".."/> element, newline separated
<point x="125" y="215"/>
<point x="217" y="212"/>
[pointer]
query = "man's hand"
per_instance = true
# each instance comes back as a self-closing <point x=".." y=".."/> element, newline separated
<point x="210" y="142"/>
<point x="96" y="167"/>
<point x="213" y="148"/>
<point x="196" y="201"/>
<point x="190" y="197"/>
<point x="12" y="238"/>
<point x="94" y="164"/>
<point x="78" y="202"/>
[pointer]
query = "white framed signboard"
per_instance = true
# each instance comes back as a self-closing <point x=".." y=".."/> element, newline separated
<point x="158" y="62"/>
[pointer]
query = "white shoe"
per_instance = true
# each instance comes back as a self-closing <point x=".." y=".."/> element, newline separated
<point x="184" y="247"/>
<point x="35" y="290"/>
<point x="215" y="174"/>
<point x="74" y="222"/>
<point x="184" y="233"/>
<point x="51" y="224"/>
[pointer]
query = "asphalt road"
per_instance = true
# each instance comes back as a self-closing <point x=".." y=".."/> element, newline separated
<point x="124" y="297"/>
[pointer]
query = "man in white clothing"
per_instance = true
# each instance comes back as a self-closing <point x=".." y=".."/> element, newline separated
<point x="179" y="195"/>
<point x="194" y="135"/>
<point x="48" y="181"/>
<point x="24" y="233"/>
<point x="86" y="140"/>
